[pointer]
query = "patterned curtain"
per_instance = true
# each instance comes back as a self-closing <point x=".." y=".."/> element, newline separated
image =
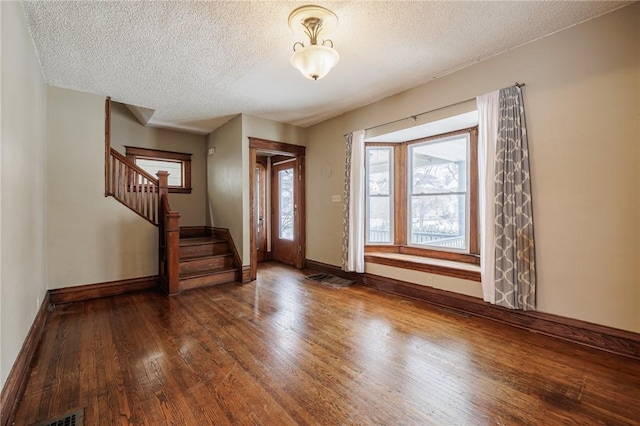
<point x="353" y="207"/>
<point x="346" y="202"/>
<point x="515" y="272"/>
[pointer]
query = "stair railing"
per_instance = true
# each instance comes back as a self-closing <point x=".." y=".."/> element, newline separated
<point x="169" y="244"/>
<point x="133" y="187"/>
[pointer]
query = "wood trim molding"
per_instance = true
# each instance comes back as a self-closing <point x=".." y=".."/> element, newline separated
<point x="157" y="153"/>
<point x="17" y="380"/>
<point x="107" y="144"/>
<point x="301" y="218"/>
<point x="596" y="336"/>
<point x="245" y="274"/>
<point x="423" y="267"/>
<point x="106" y="289"/>
<point x="253" y="254"/>
<point x="279" y="147"/>
<point x="423" y="252"/>
<point x="334" y="270"/>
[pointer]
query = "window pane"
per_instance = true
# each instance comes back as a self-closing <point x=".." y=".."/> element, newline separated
<point x="439" y="167"/>
<point x="438" y="221"/>
<point x="379" y="183"/>
<point x="379" y="220"/>
<point x="154" y="166"/>
<point x="379" y="168"/>
<point x="285" y="189"/>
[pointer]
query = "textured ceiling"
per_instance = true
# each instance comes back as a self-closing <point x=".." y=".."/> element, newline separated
<point x="193" y="65"/>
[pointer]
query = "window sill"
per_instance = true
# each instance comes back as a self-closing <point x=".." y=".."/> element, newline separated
<point x="448" y="268"/>
<point x="174" y="190"/>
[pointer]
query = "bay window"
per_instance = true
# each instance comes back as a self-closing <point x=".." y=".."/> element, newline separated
<point x="422" y="195"/>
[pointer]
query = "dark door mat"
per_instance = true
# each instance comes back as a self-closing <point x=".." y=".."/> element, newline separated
<point x="330" y="280"/>
<point x="75" y="418"/>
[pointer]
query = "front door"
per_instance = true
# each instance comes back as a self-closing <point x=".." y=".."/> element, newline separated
<point x="284" y="241"/>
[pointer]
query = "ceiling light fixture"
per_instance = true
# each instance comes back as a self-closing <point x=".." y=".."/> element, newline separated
<point x="315" y="60"/>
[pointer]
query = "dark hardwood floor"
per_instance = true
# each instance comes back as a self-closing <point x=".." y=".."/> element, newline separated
<point x="283" y="351"/>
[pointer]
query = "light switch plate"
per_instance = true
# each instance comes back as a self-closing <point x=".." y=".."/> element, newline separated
<point x="336" y="198"/>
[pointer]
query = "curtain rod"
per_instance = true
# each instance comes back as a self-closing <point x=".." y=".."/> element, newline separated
<point x="415" y="116"/>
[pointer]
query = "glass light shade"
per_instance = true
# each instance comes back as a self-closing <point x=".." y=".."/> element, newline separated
<point x="315" y="61"/>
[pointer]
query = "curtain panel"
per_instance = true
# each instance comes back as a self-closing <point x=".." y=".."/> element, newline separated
<point x="488" y="113"/>
<point x="507" y="247"/>
<point x="353" y="204"/>
<point x="515" y="271"/>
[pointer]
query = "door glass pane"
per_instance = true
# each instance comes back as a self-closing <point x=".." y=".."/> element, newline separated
<point x="285" y="196"/>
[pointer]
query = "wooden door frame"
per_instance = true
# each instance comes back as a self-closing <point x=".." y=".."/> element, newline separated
<point x="297" y="151"/>
<point x="261" y="200"/>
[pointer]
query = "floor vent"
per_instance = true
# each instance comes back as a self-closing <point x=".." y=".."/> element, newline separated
<point x="72" y="419"/>
<point x="330" y="280"/>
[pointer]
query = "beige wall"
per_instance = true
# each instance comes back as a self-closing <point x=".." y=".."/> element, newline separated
<point x="582" y="103"/>
<point x="23" y="281"/>
<point x="228" y="172"/>
<point x="256" y="127"/>
<point x="225" y="179"/>
<point x="127" y="130"/>
<point x="91" y="238"/>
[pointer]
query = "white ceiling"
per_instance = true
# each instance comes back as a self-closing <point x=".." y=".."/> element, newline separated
<point x="194" y="65"/>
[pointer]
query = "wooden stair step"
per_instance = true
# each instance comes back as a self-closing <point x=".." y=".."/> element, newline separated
<point x="203" y="263"/>
<point x="200" y="247"/>
<point x="207" y="278"/>
<point x="185" y="242"/>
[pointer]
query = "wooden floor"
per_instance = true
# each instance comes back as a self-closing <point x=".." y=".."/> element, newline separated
<point x="283" y="351"/>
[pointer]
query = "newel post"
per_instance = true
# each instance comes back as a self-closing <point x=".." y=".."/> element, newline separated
<point x="173" y="251"/>
<point x="169" y="228"/>
<point x="163" y="185"/>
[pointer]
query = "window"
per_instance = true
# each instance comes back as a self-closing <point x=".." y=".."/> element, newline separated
<point x="176" y="163"/>
<point x="421" y="196"/>
<point x="379" y="191"/>
<point x="438" y="191"/>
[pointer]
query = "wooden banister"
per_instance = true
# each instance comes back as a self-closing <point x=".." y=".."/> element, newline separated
<point x="141" y="171"/>
<point x="133" y="187"/>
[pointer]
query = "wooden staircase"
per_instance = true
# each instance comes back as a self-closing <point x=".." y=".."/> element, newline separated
<point x="188" y="257"/>
<point x="205" y="261"/>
